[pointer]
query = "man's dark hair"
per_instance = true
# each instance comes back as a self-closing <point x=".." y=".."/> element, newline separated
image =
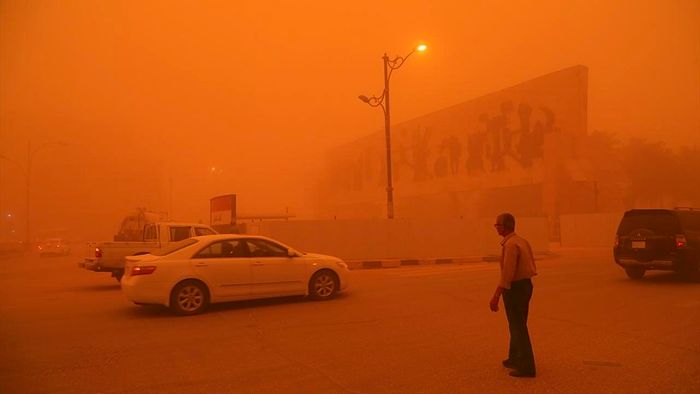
<point x="508" y="221"/>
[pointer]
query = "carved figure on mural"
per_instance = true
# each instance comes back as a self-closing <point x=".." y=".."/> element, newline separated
<point x="524" y="145"/>
<point x="476" y="148"/>
<point x="421" y="150"/>
<point x="454" y="150"/>
<point x="506" y="132"/>
<point x="509" y="137"/>
<point x="495" y="151"/>
<point x="449" y="153"/>
<point x="440" y="166"/>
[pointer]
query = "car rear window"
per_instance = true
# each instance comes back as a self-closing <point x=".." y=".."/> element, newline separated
<point x="179" y="233"/>
<point x="660" y="222"/>
<point x="174" y="247"/>
<point x="203" y="231"/>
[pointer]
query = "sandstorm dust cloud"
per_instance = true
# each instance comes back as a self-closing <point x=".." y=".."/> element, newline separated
<point x="166" y="104"/>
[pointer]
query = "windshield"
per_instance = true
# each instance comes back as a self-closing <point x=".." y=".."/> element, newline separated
<point x="658" y="221"/>
<point x="174" y="247"/>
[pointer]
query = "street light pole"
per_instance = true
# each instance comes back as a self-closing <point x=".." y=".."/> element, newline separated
<point x="383" y="101"/>
<point x="387" y="131"/>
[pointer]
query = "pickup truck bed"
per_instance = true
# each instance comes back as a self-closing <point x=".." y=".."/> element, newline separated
<point x="111" y="256"/>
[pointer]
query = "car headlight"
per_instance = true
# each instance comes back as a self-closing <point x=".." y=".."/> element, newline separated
<point x="342" y="264"/>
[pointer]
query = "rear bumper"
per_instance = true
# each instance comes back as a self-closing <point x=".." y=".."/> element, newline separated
<point x="90" y="265"/>
<point x="650" y="265"/>
<point x="665" y="264"/>
<point x="136" y="291"/>
<point x="94" y="265"/>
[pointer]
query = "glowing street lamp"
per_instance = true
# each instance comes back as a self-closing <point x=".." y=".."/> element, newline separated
<point x="383" y="101"/>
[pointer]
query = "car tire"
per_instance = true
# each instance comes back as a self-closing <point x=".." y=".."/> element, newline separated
<point x="635" y="273"/>
<point x="323" y="285"/>
<point x="189" y="298"/>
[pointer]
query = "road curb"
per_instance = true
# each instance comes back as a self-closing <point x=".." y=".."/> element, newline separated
<point x="395" y="263"/>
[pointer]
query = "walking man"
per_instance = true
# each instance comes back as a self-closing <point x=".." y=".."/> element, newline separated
<point x="517" y="269"/>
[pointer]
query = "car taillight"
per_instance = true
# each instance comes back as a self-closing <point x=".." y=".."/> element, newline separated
<point x="681" y="242"/>
<point x="98" y="253"/>
<point x="142" y="270"/>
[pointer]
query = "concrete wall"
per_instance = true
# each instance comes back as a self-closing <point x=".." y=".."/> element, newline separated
<point x="589" y="230"/>
<point x="399" y="238"/>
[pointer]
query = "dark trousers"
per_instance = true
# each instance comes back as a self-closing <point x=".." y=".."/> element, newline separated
<point x="517" y="302"/>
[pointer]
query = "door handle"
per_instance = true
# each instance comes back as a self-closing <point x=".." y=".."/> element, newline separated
<point x="201" y="265"/>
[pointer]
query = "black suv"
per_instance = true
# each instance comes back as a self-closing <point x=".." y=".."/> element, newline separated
<point x="658" y="239"/>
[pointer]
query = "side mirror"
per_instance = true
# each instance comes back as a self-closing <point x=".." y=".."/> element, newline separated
<point x="292" y="253"/>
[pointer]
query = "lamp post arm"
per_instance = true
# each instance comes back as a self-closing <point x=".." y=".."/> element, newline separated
<point x="375" y="101"/>
<point x="396" y="63"/>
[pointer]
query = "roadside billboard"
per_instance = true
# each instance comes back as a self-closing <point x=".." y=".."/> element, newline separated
<point x="222" y="213"/>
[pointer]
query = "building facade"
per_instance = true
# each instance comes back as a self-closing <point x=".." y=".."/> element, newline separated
<point x="520" y="149"/>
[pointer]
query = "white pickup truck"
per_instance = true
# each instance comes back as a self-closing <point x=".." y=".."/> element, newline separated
<point x="111" y="256"/>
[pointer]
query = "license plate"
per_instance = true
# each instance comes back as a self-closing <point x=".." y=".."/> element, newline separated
<point x="639" y="244"/>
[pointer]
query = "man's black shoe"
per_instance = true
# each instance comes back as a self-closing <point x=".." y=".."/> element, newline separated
<point x="521" y="374"/>
<point x="508" y="363"/>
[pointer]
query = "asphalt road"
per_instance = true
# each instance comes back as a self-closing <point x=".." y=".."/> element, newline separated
<point x="421" y="329"/>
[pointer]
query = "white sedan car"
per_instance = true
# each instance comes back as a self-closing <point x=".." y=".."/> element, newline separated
<point x="191" y="274"/>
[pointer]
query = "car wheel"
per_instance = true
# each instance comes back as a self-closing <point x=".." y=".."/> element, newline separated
<point x="635" y="272"/>
<point x="189" y="298"/>
<point x="323" y="285"/>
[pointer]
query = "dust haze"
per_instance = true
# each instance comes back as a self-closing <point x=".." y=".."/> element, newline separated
<point x="164" y="105"/>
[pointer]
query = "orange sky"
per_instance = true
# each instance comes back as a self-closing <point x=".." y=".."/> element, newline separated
<point x="262" y="89"/>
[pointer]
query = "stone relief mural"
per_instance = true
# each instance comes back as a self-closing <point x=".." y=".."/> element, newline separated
<point x="479" y="139"/>
<point x="514" y="136"/>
